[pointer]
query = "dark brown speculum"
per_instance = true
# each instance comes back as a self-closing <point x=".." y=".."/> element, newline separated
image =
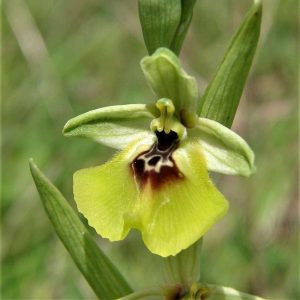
<point x="156" y="165"/>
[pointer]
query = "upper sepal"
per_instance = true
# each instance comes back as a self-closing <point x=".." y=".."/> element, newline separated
<point x="168" y="79"/>
<point x="225" y="151"/>
<point x="114" y="126"/>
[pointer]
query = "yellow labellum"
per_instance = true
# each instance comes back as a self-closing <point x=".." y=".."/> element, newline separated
<point x="172" y="212"/>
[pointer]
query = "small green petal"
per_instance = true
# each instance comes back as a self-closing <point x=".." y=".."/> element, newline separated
<point x="106" y="194"/>
<point x="178" y="214"/>
<point x="225" y="151"/>
<point x="168" y="79"/>
<point x="114" y="126"/>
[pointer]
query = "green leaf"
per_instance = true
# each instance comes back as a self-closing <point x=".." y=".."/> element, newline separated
<point x="114" y="126"/>
<point x="186" y="18"/>
<point x="221" y="98"/>
<point x="168" y="79"/>
<point x="101" y="274"/>
<point x="159" y="20"/>
<point x="225" y="293"/>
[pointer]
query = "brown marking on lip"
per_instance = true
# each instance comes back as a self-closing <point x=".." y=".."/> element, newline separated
<point x="166" y="175"/>
<point x="156" y="166"/>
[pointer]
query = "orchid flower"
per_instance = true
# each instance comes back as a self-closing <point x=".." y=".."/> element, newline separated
<point x="158" y="182"/>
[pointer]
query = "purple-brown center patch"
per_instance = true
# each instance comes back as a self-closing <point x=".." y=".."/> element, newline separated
<point x="156" y="166"/>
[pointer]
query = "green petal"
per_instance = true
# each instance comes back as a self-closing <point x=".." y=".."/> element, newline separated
<point x="178" y="214"/>
<point x="224" y="151"/>
<point x="106" y="195"/>
<point x="168" y="79"/>
<point x="114" y="126"/>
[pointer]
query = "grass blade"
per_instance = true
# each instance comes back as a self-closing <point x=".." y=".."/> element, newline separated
<point x="101" y="274"/>
<point x="221" y="98"/>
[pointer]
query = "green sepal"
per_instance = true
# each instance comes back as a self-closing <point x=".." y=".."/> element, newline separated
<point x="167" y="79"/>
<point x="225" y="151"/>
<point x="100" y="273"/>
<point x="114" y="126"/>
<point x="160" y="20"/>
<point x="221" y="98"/>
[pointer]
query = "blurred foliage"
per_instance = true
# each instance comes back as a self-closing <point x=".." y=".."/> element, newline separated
<point x="63" y="58"/>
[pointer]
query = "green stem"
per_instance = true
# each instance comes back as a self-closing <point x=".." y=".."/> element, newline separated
<point x="184" y="268"/>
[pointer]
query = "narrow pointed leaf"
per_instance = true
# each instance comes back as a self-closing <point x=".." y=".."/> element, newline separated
<point x="159" y="20"/>
<point x="186" y="18"/>
<point x="114" y="126"/>
<point x="225" y="151"/>
<point x="100" y="273"/>
<point x="221" y="98"/>
<point x="167" y="79"/>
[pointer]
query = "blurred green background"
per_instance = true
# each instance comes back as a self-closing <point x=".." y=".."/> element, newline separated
<point x="63" y="58"/>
